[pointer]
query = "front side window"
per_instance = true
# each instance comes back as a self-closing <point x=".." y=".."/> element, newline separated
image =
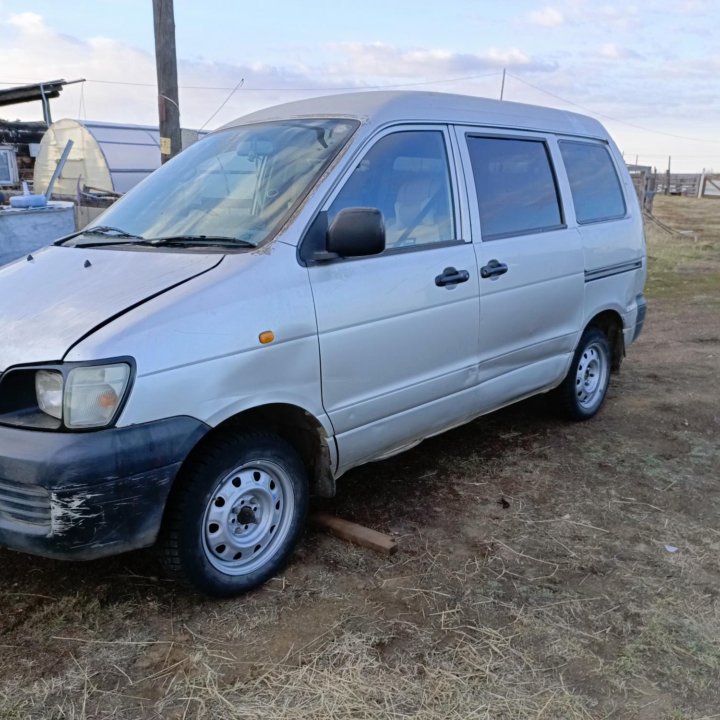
<point x="406" y="176"/>
<point x="241" y="183"/>
<point x="515" y="185"/>
<point x="594" y="184"/>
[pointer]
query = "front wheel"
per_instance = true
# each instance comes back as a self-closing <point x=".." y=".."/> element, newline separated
<point x="236" y="515"/>
<point x="583" y="390"/>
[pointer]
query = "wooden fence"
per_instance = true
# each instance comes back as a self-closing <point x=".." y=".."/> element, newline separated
<point x="649" y="183"/>
<point x="709" y="186"/>
<point x="645" y="183"/>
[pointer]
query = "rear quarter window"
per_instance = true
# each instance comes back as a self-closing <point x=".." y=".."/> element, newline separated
<point x="596" y="191"/>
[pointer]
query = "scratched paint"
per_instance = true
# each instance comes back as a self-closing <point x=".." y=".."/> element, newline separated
<point x="68" y="512"/>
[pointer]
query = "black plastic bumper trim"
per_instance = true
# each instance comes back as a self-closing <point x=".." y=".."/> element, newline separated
<point x="641" y="312"/>
<point x="107" y="489"/>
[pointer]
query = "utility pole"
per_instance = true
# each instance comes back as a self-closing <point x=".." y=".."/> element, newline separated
<point x="667" y="177"/>
<point x="166" y="64"/>
<point x="502" y="86"/>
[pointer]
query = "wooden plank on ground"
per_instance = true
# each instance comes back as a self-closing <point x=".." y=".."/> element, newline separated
<point x="355" y="533"/>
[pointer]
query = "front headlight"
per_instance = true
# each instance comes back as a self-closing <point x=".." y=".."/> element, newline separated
<point x="76" y="396"/>
<point x="49" y="392"/>
<point x="93" y="394"/>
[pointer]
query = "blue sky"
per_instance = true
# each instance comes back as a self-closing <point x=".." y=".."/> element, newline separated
<point x="649" y="71"/>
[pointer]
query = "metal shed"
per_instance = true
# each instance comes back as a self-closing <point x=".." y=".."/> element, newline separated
<point x="105" y="156"/>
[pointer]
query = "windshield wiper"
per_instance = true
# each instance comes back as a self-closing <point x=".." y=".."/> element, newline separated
<point x="107" y="230"/>
<point x="185" y="240"/>
<point x="116" y="236"/>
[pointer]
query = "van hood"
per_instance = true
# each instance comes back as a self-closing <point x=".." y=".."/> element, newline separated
<point x="55" y="297"/>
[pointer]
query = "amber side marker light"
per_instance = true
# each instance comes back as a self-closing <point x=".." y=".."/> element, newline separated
<point x="266" y="337"/>
<point x="107" y="399"/>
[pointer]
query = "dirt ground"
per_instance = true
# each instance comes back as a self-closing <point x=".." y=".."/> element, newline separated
<point x="546" y="569"/>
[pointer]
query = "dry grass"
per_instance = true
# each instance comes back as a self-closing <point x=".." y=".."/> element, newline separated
<point x="446" y="662"/>
<point x="562" y="603"/>
<point x="684" y="250"/>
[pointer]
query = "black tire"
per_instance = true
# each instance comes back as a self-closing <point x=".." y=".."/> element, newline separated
<point x="583" y="391"/>
<point x="235" y="515"/>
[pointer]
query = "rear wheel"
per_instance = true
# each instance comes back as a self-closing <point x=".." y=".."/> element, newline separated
<point x="583" y="391"/>
<point x="236" y="515"/>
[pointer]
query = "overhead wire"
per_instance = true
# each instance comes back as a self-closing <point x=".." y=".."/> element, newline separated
<point x="314" y="88"/>
<point x="389" y="86"/>
<point x="293" y="89"/>
<point x="223" y="104"/>
<point x="609" y="117"/>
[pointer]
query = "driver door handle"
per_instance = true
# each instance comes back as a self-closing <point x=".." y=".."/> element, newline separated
<point x="451" y="276"/>
<point x="493" y="269"/>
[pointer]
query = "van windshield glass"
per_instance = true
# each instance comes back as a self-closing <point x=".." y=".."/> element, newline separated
<point x="241" y="183"/>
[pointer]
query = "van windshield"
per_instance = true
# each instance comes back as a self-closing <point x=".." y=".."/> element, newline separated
<point x="237" y="184"/>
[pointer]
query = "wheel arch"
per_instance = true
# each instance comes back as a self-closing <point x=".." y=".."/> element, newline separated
<point x="302" y="430"/>
<point x="611" y="323"/>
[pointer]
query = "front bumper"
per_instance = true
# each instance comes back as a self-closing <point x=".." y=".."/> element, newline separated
<point x="86" y="495"/>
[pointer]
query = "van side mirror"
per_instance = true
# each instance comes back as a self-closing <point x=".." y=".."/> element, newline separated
<point x="356" y="232"/>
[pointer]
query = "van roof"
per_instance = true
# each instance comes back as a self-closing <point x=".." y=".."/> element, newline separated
<point x="379" y="107"/>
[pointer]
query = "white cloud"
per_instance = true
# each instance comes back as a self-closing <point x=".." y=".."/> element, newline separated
<point x="604" y="75"/>
<point x="36" y="53"/>
<point x="121" y="78"/>
<point x="611" y="51"/>
<point x="389" y="61"/>
<point x="547" y="17"/>
<point x="28" y="21"/>
<point x="590" y="14"/>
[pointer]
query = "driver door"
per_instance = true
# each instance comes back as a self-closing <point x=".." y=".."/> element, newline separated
<point x="398" y="331"/>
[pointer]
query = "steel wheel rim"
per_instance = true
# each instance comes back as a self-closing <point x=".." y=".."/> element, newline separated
<point x="591" y="377"/>
<point x="247" y="517"/>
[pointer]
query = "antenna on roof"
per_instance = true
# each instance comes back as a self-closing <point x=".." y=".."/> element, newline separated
<point x="224" y="102"/>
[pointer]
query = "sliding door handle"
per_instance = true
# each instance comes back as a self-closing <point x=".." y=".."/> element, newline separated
<point x="493" y="269"/>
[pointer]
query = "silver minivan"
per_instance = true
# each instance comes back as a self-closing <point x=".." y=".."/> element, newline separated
<point x="315" y="286"/>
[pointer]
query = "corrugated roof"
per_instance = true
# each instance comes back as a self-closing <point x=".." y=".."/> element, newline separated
<point x="31" y="93"/>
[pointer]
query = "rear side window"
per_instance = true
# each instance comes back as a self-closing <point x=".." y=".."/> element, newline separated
<point x="596" y="191"/>
<point x="516" y="189"/>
